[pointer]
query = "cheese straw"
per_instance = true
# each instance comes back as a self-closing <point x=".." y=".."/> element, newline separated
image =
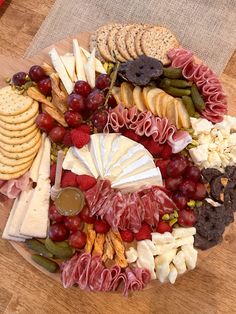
<point x="56" y="188"/>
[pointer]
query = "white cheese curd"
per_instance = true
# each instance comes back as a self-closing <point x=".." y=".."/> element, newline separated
<point x="173" y="274"/>
<point x="179" y="262"/>
<point x="131" y="255"/>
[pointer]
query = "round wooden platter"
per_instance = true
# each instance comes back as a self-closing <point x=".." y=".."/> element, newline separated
<point x="10" y="65"/>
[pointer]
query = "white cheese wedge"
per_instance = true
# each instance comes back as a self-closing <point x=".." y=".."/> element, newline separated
<point x="5" y="234"/>
<point x="145" y="258"/>
<point x="95" y="150"/>
<point x="98" y="64"/>
<point x="201" y="125"/>
<point x="172" y="274"/>
<point x="59" y="67"/>
<point x="69" y="63"/>
<point x="34" y="170"/>
<point x="20" y="211"/>
<point x="72" y="163"/>
<point x="106" y="145"/>
<point x="89" y="69"/>
<point x="183" y="232"/>
<point x="44" y="167"/>
<point x="35" y="223"/>
<point x="179" y="262"/>
<point x="79" y="66"/>
<point x="84" y="155"/>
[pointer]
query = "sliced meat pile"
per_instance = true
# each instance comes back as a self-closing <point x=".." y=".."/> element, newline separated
<point x="13" y="187"/>
<point x="144" y="124"/>
<point x="128" y="211"/>
<point x="88" y="272"/>
<point x="206" y="81"/>
<point x="218" y="212"/>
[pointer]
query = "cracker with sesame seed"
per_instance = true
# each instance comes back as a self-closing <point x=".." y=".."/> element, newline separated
<point x="22" y="117"/>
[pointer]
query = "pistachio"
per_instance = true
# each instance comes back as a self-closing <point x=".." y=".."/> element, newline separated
<point x="191" y="203"/>
<point x="173" y="221"/>
<point x="165" y="217"/>
<point x="198" y="203"/>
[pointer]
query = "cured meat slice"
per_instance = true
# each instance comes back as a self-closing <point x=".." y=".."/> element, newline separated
<point x="12" y="188"/>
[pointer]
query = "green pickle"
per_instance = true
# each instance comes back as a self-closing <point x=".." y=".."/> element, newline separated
<point x="177" y="92"/>
<point x="46" y="263"/>
<point x="197" y="98"/>
<point x="180" y="83"/>
<point x="187" y="100"/>
<point x="59" y="251"/>
<point x="38" y="247"/>
<point x="173" y="73"/>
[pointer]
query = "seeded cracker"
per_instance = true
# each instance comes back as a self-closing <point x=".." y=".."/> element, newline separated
<point x="137" y="41"/>
<point x="112" y="43"/>
<point x="22" y="117"/>
<point x="130" y="39"/>
<point x="17" y="133"/>
<point x="18" y="140"/>
<point x="121" y="42"/>
<point x="15" y="162"/>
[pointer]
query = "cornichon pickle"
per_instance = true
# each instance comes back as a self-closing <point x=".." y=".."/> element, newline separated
<point x="173" y="73"/>
<point x="46" y="263"/>
<point x="177" y="92"/>
<point x="187" y="100"/>
<point x="63" y="244"/>
<point x="197" y="98"/>
<point x="180" y="83"/>
<point x="57" y="250"/>
<point x="38" y="247"/>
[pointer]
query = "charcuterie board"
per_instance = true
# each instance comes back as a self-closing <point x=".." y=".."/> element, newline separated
<point x="10" y="65"/>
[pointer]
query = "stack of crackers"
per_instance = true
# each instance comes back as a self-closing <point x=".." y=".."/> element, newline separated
<point x="126" y="42"/>
<point x="20" y="138"/>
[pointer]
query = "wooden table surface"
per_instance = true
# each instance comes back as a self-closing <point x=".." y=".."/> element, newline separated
<point x="211" y="288"/>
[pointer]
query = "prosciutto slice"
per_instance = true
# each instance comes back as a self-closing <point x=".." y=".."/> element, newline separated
<point x="145" y="124"/>
<point x="12" y="188"/>
<point x="89" y="273"/>
<point x="128" y="211"/>
<point x="205" y="79"/>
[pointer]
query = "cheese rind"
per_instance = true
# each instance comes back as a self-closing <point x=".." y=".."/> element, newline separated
<point x="74" y="164"/>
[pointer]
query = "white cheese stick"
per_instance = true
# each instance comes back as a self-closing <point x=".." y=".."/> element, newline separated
<point x="20" y="211"/>
<point x="190" y="256"/>
<point x="34" y="170"/>
<point x="162" y="238"/>
<point x="183" y="232"/>
<point x="98" y="64"/>
<point x="59" y="67"/>
<point x="183" y="241"/>
<point x="162" y="264"/>
<point x="89" y="69"/>
<point x="145" y="258"/>
<point x="179" y="262"/>
<point x="163" y="248"/>
<point x="79" y="66"/>
<point x="172" y="274"/>
<point x="5" y="234"/>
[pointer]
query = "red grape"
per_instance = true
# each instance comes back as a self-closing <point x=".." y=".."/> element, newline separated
<point x="176" y="167"/>
<point x="57" y="134"/>
<point x="54" y="215"/>
<point x="67" y="141"/>
<point x="162" y="165"/>
<point x="186" y="218"/>
<point x="73" y="223"/>
<point x="58" y="232"/>
<point x="73" y="118"/>
<point x="103" y="81"/>
<point x="180" y="200"/>
<point x="101" y="226"/>
<point x="112" y="102"/>
<point x="82" y="88"/>
<point x="187" y="187"/>
<point x="193" y="173"/>
<point x="167" y="151"/>
<point x="77" y="239"/>
<point x="19" y="78"/>
<point x="76" y="102"/>
<point x="84" y="215"/>
<point x="173" y="184"/>
<point x="94" y="100"/>
<point x="163" y="227"/>
<point x="99" y="120"/>
<point x="200" y="192"/>
<point x="45" y="86"/>
<point x="45" y="122"/>
<point x="36" y="73"/>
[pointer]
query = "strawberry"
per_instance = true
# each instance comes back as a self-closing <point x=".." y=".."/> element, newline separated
<point x="127" y="235"/>
<point x="84" y="128"/>
<point x="85" y="182"/>
<point x="166" y="151"/>
<point x="132" y="135"/>
<point x="162" y="165"/>
<point x="69" y="179"/>
<point x="67" y="141"/>
<point x="79" y="138"/>
<point x="101" y="226"/>
<point x="154" y="148"/>
<point x="163" y="227"/>
<point x="144" y="232"/>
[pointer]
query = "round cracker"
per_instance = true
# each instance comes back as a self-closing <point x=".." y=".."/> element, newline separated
<point x="12" y="102"/>
<point x="17" y="133"/>
<point x="6" y="169"/>
<point x="22" y="117"/>
<point x="102" y="37"/>
<point x="93" y="44"/>
<point x="15" y="162"/>
<point x="18" y="126"/>
<point x="156" y="41"/>
<point x="112" y="44"/>
<point x="137" y="41"/>
<point x="7" y="176"/>
<point x="18" y="140"/>
<point x="26" y="153"/>
<point x="121" y="41"/>
<point x="130" y="39"/>
<point x="18" y="148"/>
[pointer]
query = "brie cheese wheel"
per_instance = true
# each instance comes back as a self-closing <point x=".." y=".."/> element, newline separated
<point x="79" y="66"/>
<point x="59" y="67"/>
<point x="69" y="63"/>
<point x="127" y="164"/>
<point x="98" y="64"/>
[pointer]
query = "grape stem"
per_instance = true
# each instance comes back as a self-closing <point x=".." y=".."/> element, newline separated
<point x="113" y="80"/>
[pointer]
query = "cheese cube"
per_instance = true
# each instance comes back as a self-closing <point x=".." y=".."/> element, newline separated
<point x="199" y="154"/>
